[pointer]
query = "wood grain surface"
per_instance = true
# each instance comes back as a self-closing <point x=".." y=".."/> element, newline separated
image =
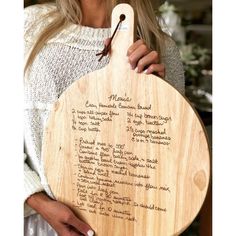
<point x="127" y="151"/>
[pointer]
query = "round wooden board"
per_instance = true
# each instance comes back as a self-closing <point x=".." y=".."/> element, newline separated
<point x="127" y="151"/>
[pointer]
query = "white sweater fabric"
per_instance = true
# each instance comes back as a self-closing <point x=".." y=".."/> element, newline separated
<point x="64" y="58"/>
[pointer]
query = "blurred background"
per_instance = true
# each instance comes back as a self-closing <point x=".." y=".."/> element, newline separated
<point x="189" y="22"/>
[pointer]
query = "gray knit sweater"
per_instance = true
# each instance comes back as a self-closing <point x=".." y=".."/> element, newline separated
<point x="64" y="59"/>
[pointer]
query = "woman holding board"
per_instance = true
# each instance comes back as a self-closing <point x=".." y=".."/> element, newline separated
<point x="61" y="43"/>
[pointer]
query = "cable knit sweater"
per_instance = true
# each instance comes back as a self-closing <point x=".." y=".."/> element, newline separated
<point x="64" y="59"/>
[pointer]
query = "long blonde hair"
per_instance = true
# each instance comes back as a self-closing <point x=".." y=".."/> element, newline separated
<point x="69" y="11"/>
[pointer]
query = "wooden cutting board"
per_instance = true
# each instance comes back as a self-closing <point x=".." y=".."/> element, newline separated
<point x="127" y="151"/>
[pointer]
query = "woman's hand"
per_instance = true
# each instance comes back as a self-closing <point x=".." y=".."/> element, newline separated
<point x="59" y="216"/>
<point x="143" y="59"/>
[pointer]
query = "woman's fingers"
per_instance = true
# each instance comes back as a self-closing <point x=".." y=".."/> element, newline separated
<point x="72" y="233"/>
<point x="146" y="61"/>
<point x="137" y="52"/>
<point x="158" y="69"/>
<point x="107" y="41"/>
<point x="81" y="226"/>
<point x="137" y="55"/>
<point x="59" y="216"/>
<point x="134" y="46"/>
<point x="143" y="59"/>
<point x="69" y="232"/>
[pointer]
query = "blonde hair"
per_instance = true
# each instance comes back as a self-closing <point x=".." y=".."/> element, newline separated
<point x="69" y="11"/>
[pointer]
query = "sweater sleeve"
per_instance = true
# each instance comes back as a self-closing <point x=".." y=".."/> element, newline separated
<point x="33" y="25"/>
<point x="32" y="184"/>
<point x="174" y="67"/>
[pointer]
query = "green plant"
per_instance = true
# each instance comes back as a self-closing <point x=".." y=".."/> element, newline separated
<point x="195" y="59"/>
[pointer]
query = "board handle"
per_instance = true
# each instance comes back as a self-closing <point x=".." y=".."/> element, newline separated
<point x="124" y="36"/>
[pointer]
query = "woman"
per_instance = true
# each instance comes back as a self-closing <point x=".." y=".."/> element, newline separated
<point x="61" y="43"/>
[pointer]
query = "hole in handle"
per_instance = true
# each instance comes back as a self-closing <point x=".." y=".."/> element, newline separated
<point x="122" y="17"/>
